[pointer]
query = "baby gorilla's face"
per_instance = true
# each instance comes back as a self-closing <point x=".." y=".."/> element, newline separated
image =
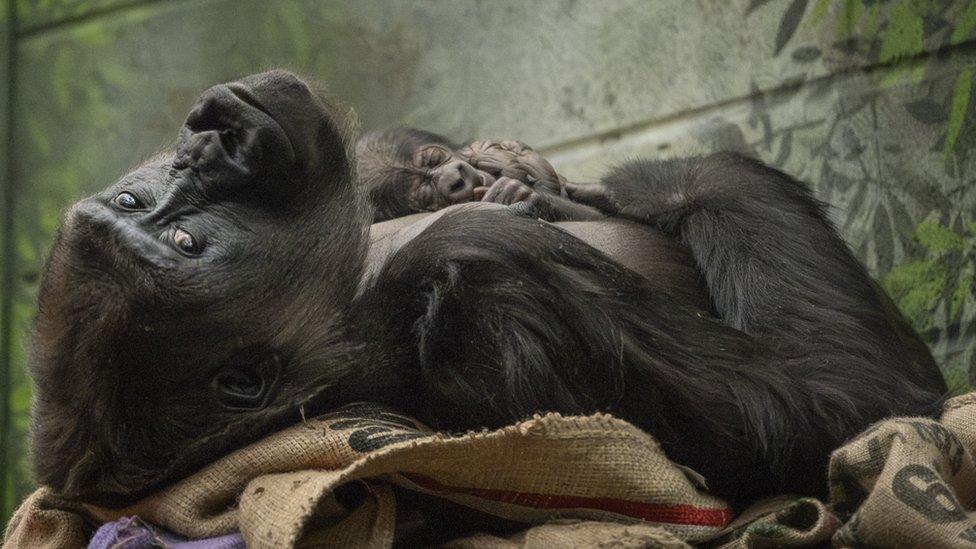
<point x="439" y="177"/>
<point x="408" y="170"/>
<point x="177" y="305"/>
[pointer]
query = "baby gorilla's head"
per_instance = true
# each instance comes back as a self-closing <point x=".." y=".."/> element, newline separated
<point x="406" y="170"/>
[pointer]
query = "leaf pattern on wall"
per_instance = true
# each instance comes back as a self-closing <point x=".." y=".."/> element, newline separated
<point x="913" y="223"/>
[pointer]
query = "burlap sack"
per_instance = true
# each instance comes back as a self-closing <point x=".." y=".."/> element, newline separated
<point x="592" y="481"/>
<point x="575" y="534"/>
<point x="293" y="487"/>
<point x="45" y="520"/>
<point x="785" y="521"/>
<point x="909" y="482"/>
<point x="904" y="482"/>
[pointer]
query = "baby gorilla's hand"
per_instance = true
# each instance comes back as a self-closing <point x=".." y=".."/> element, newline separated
<point x="515" y="160"/>
<point x="510" y="191"/>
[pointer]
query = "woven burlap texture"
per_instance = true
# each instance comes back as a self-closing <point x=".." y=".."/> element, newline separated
<point x="574" y="481"/>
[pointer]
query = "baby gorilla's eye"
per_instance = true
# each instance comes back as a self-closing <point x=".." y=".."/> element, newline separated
<point x="434" y="156"/>
<point x="185" y="242"/>
<point x="128" y="201"/>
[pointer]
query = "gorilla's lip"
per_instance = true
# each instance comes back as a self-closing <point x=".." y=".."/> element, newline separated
<point x="110" y="230"/>
<point x="232" y="109"/>
<point x="245" y="96"/>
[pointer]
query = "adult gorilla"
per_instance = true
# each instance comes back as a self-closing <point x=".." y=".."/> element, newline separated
<point x="203" y="299"/>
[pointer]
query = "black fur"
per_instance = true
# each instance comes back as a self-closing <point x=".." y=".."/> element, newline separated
<point x="807" y="355"/>
<point x="463" y="326"/>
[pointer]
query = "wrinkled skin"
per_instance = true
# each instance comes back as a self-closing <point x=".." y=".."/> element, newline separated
<point x="217" y="293"/>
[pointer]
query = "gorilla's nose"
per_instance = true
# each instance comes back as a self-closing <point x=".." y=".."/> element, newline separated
<point x="229" y="138"/>
<point x="457" y="182"/>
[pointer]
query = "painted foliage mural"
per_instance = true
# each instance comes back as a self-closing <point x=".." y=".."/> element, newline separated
<point x="871" y="101"/>
<point x="898" y="154"/>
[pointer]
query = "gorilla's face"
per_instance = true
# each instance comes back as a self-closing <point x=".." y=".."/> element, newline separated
<point x="191" y="304"/>
<point x="437" y="177"/>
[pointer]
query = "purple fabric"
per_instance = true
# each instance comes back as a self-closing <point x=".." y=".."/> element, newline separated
<point x="134" y="533"/>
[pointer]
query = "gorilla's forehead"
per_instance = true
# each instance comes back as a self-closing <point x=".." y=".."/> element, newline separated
<point x="155" y="171"/>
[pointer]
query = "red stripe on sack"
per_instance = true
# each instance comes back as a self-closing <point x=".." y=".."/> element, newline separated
<point x="652" y="512"/>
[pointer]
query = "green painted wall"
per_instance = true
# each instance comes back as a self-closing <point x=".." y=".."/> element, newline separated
<point x="6" y="43"/>
<point x="870" y="101"/>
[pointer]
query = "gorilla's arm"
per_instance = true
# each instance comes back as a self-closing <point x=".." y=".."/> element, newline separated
<point x="774" y="266"/>
<point x="548" y="205"/>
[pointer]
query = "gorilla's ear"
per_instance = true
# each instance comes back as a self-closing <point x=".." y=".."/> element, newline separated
<point x="248" y="380"/>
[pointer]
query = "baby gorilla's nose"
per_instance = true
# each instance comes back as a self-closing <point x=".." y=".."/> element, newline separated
<point x="229" y="138"/>
<point x="456" y="182"/>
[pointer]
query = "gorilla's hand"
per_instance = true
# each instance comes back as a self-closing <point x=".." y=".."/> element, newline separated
<point x="508" y="191"/>
<point x="549" y="207"/>
<point x="515" y="160"/>
<point x="596" y="195"/>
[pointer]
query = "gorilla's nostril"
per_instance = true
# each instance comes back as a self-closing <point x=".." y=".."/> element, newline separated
<point x="206" y="116"/>
<point x="228" y="139"/>
<point x="457" y="186"/>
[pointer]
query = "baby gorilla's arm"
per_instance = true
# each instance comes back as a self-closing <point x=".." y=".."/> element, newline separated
<point x="524" y="176"/>
<point x="551" y="207"/>
<point x="512" y="159"/>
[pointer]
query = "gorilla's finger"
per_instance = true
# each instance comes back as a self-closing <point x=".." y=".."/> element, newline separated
<point x="547" y="186"/>
<point x="515" y="191"/>
<point x="479" y="193"/>
<point x="497" y="190"/>
<point x="494" y="190"/>
<point x="508" y="193"/>
<point x="592" y="194"/>
<point x="525" y="209"/>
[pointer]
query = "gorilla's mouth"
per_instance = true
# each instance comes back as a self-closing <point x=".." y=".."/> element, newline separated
<point x="230" y="136"/>
<point x="242" y="93"/>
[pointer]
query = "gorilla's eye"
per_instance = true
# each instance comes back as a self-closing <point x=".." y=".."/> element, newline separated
<point x="128" y="201"/>
<point x="185" y="242"/>
<point x="433" y="160"/>
<point x="432" y="156"/>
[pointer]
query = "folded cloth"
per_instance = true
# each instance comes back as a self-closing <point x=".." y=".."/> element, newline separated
<point x="368" y="477"/>
<point x="133" y="533"/>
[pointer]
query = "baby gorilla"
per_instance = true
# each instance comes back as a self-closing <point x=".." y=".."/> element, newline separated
<point x="407" y="170"/>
